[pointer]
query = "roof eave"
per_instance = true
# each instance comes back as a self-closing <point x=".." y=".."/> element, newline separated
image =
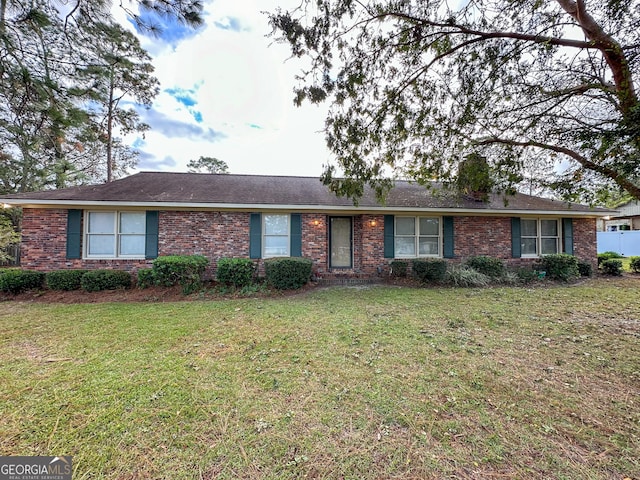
<point x="255" y="207"/>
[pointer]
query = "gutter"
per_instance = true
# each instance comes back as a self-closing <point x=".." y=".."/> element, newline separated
<point x="255" y="207"/>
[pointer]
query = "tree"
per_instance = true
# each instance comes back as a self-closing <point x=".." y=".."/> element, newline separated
<point x="207" y="165"/>
<point x="122" y="72"/>
<point x="417" y="85"/>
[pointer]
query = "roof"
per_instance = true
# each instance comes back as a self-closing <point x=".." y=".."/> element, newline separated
<point x="257" y="192"/>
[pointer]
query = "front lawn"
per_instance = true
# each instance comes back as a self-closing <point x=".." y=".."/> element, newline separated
<point x="354" y="383"/>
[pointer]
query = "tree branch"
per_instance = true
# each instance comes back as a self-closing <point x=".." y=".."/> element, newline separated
<point x="617" y="177"/>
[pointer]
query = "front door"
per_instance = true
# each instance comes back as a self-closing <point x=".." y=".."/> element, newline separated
<point x="340" y="242"/>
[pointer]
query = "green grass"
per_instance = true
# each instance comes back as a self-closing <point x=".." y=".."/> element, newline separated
<point x="346" y="383"/>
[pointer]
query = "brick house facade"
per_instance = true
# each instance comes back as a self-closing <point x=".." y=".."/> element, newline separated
<point x="112" y="226"/>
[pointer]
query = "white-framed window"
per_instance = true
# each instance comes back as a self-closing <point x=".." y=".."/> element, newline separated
<point x="417" y="237"/>
<point x="275" y="236"/>
<point x="115" y="234"/>
<point x="539" y="236"/>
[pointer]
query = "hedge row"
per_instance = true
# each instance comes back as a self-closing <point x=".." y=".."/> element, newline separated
<point x="17" y="280"/>
<point x="481" y="270"/>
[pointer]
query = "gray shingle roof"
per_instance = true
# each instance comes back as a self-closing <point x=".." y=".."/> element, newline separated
<point x="234" y="191"/>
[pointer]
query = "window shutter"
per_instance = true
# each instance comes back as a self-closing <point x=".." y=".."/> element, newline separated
<point x="389" y="236"/>
<point x="567" y="235"/>
<point x="255" y="235"/>
<point x="447" y="232"/>
<point x="74" y="234"/>
<point x="516" y="241"/>
<point x="151" y="235"/>
<point x="296" y="235"/>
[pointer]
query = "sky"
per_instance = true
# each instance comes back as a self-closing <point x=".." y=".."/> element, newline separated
<point x="226" y="91"/>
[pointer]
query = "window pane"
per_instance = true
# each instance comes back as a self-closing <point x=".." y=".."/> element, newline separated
<point x="132" y="245"/>
<point x="429" y="226"/>
<point x="549" y="228"/>
<point x="101" y="245"/>
<point x="548" y="246"/>
<point x="276" y="246"/>
<point x="132" y="222"/>
<point x="101" y="222"/>
<point x="529" y="246"/>
<point x="405" y="226"/>
<point x="276" y="224"/>
<point x="405" y="247"/>
<point x="428" y="246"/>
<point x="529" y="228"/>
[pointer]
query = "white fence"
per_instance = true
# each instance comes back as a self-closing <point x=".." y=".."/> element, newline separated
<point x="625" y="242"/>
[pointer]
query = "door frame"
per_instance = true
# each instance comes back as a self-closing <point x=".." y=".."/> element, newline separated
<point x="330" y="241"/>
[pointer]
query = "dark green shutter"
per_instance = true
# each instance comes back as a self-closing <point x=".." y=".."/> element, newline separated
<point x="389" y="236"/>
<point x="447" y="232"/>
<point x="74" y="234"/>
<point x="151" y="235"/>
<point x="255" y="235"/>
<point x="516" y="241"/>
<point x="567" y="235"/>
<point x="296" y="235"/>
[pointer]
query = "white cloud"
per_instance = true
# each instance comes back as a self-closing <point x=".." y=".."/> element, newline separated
<point x="242" y="87"/>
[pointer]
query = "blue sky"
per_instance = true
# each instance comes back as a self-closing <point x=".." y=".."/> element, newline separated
<point x="227" y="92"/>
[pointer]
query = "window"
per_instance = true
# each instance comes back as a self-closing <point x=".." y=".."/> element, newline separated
<point x="417" y="237"/>
<point x="115" y="234"/>
<point x="539" y="237"/>
<point x="275" y="236"/>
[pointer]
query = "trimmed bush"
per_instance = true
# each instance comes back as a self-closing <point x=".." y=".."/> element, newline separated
<point x="64" y="279"/>
<point x="185" y="270"/>
<point x="288" y="273"/>
<point x="634" y="264"/>
<point x="611" y="267"/>
<point x="585" y="268"/>
<point x="560" y="266"/>
<point x="239" y="272"/>
<point x="607" y="256"/>
<point x="489" y="266"/>
<point x="399" y="268"/>
<point x="146" y="277"/>
<point x="527" y="275"/>
<point x="465" y="276"/>
<point x="98" y="280"/>
<point x="16" y="280"/>
<point x="429" y="270"/>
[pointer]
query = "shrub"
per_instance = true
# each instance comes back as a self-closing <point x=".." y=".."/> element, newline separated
<point x="492" y="267"/>
<point x="98" y="280"/>
<point x="429" y="270"/>
<point x="527" y="275"/>
<point x="16" y="281"/>
<point x="634" y="264"/>
<point x="607" y="256"/>
<point x="612" y="267"/>
<point x="560" y="266"/>
<point x="239" y="272"/>
<point x="465" y="276"/>
<point x="288" y="273"/>
<point x="399" y="268"/>
<point x="185" y="270"/>
<point x="64" y="279"/>
<point x="146" y="277"/>
<point x="585" y="268"/>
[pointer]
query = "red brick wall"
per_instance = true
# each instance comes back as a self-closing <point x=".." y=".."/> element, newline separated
<point x="489" y="236"/>
<point x="44" y="245"/>
<point x="584" y="239"/>
<point x="314" y="241"/>
<point x="226" y="234"/>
